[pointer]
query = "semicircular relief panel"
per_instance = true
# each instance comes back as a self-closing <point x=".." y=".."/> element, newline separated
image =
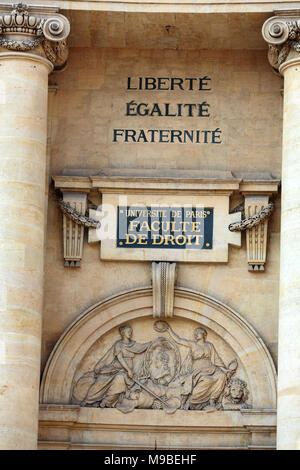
<point x="117" y="356"/>
<point x="150" y="364"/>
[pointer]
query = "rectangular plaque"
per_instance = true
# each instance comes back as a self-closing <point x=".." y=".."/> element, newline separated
<point x="165" y="227"/>
<point x="164" y="221"/>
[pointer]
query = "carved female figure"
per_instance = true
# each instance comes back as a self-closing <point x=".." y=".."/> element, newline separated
<point x="111" y="377"/>
<point x="204" y="372"/>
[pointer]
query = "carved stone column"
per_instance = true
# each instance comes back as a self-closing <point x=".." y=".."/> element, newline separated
<point x="283" y="36"/>
<point x="30" y="46"/>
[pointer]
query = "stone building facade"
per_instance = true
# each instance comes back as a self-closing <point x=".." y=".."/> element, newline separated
<point x="149" y="244"/>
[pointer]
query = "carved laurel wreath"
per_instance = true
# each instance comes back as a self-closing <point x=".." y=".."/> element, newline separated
<point x="253" y="220"/>
<point x="17" y="45"/>
<point x="77" y="217"/>
<point x="244" y="224"/>
<point x="30" y="44"/>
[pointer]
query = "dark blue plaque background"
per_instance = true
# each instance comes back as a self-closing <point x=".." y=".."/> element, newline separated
<point x="205" y="225"/>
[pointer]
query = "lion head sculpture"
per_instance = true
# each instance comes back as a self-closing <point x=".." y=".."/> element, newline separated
<point x="236" y="394"/>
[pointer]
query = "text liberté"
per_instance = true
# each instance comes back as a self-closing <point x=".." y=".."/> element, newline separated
<point x="137" y="108"/>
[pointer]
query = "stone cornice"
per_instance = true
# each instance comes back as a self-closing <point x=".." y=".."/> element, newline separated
<point x="282" y="33"/>
<point x="26" y="28"/>
<point x="120" y="180"/>
<point x="175" y="6"/>
<point x="38" y="9"/>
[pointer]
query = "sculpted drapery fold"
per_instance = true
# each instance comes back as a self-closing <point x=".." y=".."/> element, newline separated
<point x="151" y="375"/>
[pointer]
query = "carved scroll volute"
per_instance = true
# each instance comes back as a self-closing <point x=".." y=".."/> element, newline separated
<point x="73" y="233"/>
<point x="256" y="237"/>
<point x="163" y="282"/>
<point x="275" y="31"/>
<point x="56" y="28"/>
<point x="282" y="33"/>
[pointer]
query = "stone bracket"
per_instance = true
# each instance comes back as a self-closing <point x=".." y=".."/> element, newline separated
<point x="256" y="237"/>
<point x="73" y="233"/>
<point x="257" y="196"/>
<point x="163" y="283"/>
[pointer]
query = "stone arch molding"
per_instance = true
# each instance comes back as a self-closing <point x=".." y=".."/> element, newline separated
<point x="101" y="318"/>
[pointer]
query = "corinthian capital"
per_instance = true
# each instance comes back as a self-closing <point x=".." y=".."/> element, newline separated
<point x="282" y="33"/>
<point x="26" y="28"/>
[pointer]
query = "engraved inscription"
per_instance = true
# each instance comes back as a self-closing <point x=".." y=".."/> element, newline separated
<point x="165" y="227"/>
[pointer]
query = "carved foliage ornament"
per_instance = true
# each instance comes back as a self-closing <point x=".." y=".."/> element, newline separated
<point x="22" y="30"/>
<point x="153" y="375"/>
<point x="77" y="216"/>
<point x="251" y="221"/>
<point x="283" y="36"/>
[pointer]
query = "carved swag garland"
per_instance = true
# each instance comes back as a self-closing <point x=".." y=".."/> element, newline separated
<point x="151" y="376"/>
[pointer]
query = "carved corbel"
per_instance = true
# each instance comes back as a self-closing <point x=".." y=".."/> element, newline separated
<point x="257" y="210"/>
<point x="256" y="237"/>
<point x="163" y="283"/>
<point x="73" y="233"/>
<point x="74" y="207"/>
<point x="282" y="33"/>
<point x="25" y="28"/>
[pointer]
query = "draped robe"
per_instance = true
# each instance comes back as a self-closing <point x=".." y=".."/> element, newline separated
<point x="109" y="380"/>
<point x="204" y="374"/>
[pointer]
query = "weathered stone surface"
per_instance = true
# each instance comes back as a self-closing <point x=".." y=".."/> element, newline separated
<point x="86" y="108"/>
<point x="61" y="428"/>
<point x="84" y="308"/>
<point x="23" y="135"/>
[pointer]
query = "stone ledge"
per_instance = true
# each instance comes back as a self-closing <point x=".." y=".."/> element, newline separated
<point x="112" y="418"/>
<point x="70" y="427"/>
